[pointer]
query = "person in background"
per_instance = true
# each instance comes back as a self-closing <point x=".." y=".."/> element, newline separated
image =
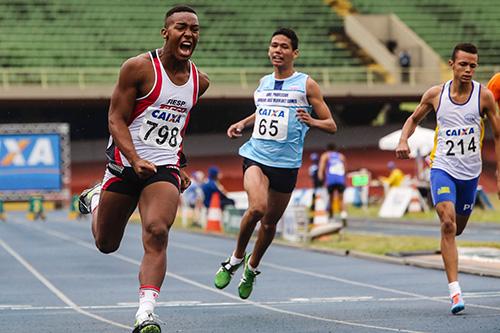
<point x="213" y="185"/>
<point x="395" y="178"/>
<point x="316" y="183"/>
<point x="332" y="167"/>
<point x="405" y="63"/>
<point x="193" y="196"/>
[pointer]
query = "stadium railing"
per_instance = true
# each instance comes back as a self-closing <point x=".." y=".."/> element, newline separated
<point x="84" y="77"/>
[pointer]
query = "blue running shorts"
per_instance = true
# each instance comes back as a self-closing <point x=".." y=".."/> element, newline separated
<point x="447" y="188"/>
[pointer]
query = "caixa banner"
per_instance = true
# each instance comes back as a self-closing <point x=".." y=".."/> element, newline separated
<point x="30" y="162"/>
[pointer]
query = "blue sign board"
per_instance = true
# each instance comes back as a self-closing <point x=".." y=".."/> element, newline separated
<point x="30" y="162"/>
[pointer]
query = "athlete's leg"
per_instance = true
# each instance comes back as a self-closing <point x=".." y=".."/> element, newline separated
<point x="331" y="201"/>
<point x="461" y="223"/>
<point x="447" y="216"/>
<point x="466" y="199"/>
<point x="277" y="204"/>
<point x="109" y="219"/>
<point x="256" y="185"/>
<point x="157" y="206"/>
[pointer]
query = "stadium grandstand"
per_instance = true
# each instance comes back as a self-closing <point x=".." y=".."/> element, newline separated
<point x="60" y="58"/>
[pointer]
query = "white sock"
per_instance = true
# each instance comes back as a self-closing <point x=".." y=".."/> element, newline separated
<point x="147" y="299"/>
<point x="235" y="261"/>
<point x="94" y="201"/>
<point x="253" y="269"/>
<point x="454" y="288"/>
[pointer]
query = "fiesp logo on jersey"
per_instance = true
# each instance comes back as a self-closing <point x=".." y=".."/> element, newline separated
<point x="30" y="161"/>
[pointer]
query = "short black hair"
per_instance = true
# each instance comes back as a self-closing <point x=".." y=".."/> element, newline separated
<point x="179" y="9"/>
<point x="466" y="47"/>
<point x="290" y="34"/>
<point x="331" y="146"/>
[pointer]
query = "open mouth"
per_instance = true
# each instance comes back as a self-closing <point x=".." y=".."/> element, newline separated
<point x="276" y="58"/>
<point x="186" y="47"/>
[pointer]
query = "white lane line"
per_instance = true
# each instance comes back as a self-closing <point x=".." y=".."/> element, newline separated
<point x="66" y="300"/>
<point x="220" y="292"/>
<point x="333" y="278"/>
<point x="291" y="301"/>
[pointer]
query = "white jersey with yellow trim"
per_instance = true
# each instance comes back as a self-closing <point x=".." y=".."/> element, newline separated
<point x="159" y="119"/>
<point x="459" y="134"/>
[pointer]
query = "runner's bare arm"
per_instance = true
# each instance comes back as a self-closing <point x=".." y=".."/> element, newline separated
<point x="204" y="83"/>
<point x="120" y="112"/>
<point x="315" y="97"/>
<point x="425" y="106"/>
<point x="185" y="180"/>
<point x="235" y="130"/>
<point x="489" y="108"/>
<point x="322" y="166"/>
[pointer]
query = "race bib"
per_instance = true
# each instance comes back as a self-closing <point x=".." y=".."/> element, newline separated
<point x="162" y="129"/>
<point x="271" y="123"/>
<point x="461" y="141"/>
<point x="337" y="169"/>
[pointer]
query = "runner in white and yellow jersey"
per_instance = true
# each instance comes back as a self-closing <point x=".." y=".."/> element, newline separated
<point x="148" y="116"/>
<point x="460" y="105"/>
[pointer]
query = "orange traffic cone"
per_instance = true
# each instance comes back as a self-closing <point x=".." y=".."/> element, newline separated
<point x="214" y="218"/>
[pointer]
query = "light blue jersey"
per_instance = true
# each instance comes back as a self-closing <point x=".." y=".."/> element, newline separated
<point x="278" y="137"/>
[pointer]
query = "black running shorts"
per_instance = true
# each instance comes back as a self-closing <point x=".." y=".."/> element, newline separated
<point x="281" y="180"/>
<point x="339" y="187"/>
<point x="124" y="180"/>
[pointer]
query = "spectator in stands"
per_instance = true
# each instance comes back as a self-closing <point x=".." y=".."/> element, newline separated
<point x="272" y="157"/>
<point x="213" y="185"/>
<point x="332" y="167"/>
<point x="148" y="115"/>
<point x="494" y="86"/>
<point x="456" y="157"/>
<point x="405" y="63"/>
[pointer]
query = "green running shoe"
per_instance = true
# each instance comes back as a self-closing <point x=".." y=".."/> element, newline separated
<point x="247" y="280"/>
<point x="225" y="273"/>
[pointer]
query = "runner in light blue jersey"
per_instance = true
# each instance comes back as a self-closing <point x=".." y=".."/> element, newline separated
<point x="278" y="135"/>
<point x="460" y="106"/>
<point x="284" y="101"/>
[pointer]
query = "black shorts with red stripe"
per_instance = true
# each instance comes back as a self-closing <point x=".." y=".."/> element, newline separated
<point x="124" y="180"/>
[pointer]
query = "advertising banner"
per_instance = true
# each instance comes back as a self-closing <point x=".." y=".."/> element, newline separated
<point x="30" y="162"/>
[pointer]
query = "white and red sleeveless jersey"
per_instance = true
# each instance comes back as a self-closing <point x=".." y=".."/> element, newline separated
<point x="159" y="120"/>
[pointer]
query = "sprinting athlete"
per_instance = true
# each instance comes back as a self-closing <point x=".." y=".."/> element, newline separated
<point x="494" y="87"/>
<point x="148" y="116"/>
<point x="460" y="105"/>
<point x="272" y="157"/>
